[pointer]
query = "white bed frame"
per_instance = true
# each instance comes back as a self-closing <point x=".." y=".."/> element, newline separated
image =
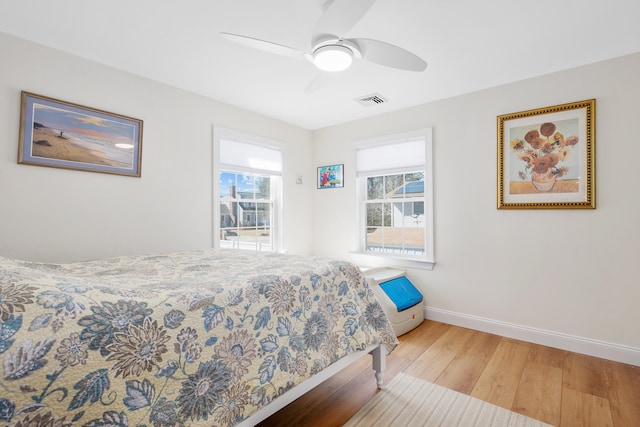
<point x="378" y="354"/>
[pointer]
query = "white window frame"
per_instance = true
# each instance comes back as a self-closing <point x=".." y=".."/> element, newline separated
<point x="221" y="133"/>
<point x="423" y="261"/>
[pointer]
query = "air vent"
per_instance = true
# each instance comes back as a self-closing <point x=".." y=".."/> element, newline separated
<point x="373" y="99"/>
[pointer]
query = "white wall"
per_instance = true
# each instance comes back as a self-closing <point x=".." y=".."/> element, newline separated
<point x="556" y="275"/>
<point x="60" y="215"/>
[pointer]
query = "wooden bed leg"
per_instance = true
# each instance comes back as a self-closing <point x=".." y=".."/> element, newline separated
<point x="379" y="361"/>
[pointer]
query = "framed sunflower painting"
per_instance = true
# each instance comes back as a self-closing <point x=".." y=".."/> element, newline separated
<point x="546" y="158"/>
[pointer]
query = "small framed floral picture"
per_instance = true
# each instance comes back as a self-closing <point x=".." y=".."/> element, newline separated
<point x="546" y="158"/>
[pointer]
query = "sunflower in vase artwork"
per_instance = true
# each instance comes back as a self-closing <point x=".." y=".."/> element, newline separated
<point x="545" y="154"/>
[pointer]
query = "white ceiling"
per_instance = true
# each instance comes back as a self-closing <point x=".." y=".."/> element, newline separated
<point x="468" y="44"/>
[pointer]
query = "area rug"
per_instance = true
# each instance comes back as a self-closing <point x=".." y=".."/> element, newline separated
<point x="407" y="401"/>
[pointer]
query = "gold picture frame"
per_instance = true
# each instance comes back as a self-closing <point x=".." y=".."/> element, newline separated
<point x="546" y="157"/>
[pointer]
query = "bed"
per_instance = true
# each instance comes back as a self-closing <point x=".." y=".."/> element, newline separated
<point x="214" y="337"/>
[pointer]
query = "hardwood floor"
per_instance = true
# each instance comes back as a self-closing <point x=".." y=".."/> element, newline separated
<point x="558" y="387"/>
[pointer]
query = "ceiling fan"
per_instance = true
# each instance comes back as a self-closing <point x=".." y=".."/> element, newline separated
<point x="329" y="51"/>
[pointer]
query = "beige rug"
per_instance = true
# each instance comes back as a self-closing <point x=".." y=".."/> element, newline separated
<point x="407" y="401"/>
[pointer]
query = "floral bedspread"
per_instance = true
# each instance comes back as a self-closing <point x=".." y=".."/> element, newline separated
<point x="197" y="338"/>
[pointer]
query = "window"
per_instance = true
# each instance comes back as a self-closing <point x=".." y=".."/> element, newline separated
<point x="246" y="211"/>
<point x="248" y="192"/>
<point x="395" y="197"/>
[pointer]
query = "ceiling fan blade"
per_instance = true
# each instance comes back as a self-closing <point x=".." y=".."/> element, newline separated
<point x="263" y="45"/>
<point x="389" y="55"/>
<point x="339" y="17"/>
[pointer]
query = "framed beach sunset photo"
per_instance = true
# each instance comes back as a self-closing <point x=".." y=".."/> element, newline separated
<point x="60" y="134"/>
<point x="546" y="158"/>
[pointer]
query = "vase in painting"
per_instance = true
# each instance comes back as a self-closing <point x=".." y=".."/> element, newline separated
<point x="543" y="182"/>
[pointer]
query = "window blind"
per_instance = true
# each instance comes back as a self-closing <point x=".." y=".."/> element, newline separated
<point x="248" y="157"/>
<point x="403" y="156"/>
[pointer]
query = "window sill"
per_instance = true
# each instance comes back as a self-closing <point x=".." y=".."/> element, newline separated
<point x="388" y="260"/>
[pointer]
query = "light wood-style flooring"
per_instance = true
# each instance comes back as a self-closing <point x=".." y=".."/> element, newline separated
<point x="558" y="387"/>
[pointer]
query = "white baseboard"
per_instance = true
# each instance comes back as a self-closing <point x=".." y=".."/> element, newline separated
<point x="602" y="349"/>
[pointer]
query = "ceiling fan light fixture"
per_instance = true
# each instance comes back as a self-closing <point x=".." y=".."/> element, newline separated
<point x="333" y="57"/>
